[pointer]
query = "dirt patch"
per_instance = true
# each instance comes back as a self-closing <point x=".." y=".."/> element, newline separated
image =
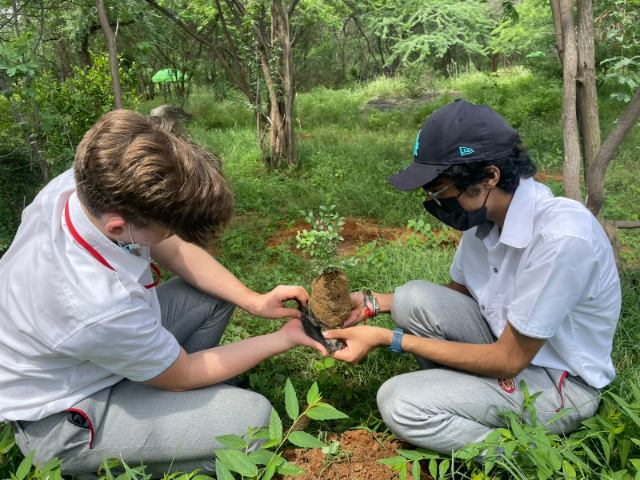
<point x="356" y="459"/>
<point x="358" y="231"/>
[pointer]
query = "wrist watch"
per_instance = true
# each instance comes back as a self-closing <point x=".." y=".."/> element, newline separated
<point x="396" y="340"/>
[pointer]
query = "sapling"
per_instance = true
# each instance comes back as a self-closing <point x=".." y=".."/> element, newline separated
<point x="329" y="304"/>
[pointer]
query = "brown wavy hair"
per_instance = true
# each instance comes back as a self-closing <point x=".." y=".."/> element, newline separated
<point x="126" y="165"/>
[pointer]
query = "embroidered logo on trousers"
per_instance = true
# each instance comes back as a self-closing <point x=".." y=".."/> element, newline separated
<point x="507" y="384"/>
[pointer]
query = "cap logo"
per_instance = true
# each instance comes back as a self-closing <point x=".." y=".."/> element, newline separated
<point x="416" y="146"/>
<point x="464" y="151"/>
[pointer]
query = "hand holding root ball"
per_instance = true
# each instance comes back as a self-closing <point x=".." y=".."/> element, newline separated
<point x="358" y="341"/>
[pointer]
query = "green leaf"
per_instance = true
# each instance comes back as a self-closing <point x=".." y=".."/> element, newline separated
<point x="287" y="468"/>
<point x="313" y="395"/>
<point x="237" y="461"/>
<point x="261" y="457"/>
<point x="433" y="468"/>
<point x="275" y="426"/>
<point x="416" y="470"/>
<point x="291" y="401"/>
<point x="412" y="454"/>
<point x="8" y="439"/>
<point x="393" y="461"/>
<point x="25" y="466"/>
<point x="269" y="472"/>
<point x="232" y="441"/>
<point x="222" y="472"/>
<point x="332" y="449"/>
<point x="304" y="440"/>
<point x="443" y="468"/>
<point x="324" y="411"/>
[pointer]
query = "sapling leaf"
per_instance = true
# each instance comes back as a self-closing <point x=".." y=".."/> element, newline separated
<point x="393" y="461"/>
<point x="237" y="461"/>
<point x="324" y="411"/>
<point x="269" y="472"/>
<point x="261" y="456"/>
<point x="232" y="441"/>
<point x="25" y="466"/>
<point x="287" y="468"/>
<point x="416" y="470"/>
<point x="304" y="440"/>
<point x="222" y="472"/>
<point x="275" y="426"/>
<point x="313" y="395"/>
<point x="8" y="440"/>
<point x="291" y="401"/>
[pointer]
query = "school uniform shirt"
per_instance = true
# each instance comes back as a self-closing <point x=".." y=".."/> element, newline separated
<point x="70" y="325"/>
<point x="551" y="274"/>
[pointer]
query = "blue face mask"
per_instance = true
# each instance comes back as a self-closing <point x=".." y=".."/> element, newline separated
<point x="134" y="248"/>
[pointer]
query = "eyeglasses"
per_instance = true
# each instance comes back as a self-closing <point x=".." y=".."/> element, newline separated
<point x="433" y="196"/>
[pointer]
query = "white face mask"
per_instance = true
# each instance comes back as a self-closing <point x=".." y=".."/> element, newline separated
<point x="136" y="249"/>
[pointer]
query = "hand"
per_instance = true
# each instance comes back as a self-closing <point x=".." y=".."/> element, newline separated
<point x="360" y="340"/>
<point x="271" y="305"/>
<point x="295" y="335"/>
<point x="357" y="313"/>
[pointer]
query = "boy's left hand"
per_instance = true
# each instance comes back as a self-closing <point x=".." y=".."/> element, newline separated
<point x="295" y="334"/>
<point x="271" y="305"/>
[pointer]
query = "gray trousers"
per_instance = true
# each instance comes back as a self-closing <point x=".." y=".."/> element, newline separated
<point x="167" y="431"/>
<point x="443" y="409"/>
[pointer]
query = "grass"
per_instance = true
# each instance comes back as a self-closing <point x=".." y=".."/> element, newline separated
<point x="347" y="150"/>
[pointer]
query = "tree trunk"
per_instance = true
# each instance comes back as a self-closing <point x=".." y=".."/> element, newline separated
<point x="587" y="95"/>
<point x="571" y="169"/>
<point x="65" y="62"/>
<point x="557" y="28"/>
<point x="113" y="54"/>
<point x="597" y="169"/>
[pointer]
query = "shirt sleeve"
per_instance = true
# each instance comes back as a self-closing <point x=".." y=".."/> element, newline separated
<point x="558" y="274"/>
<point x="132" y="344"/>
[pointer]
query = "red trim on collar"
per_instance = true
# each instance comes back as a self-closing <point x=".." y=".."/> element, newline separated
<point x="95" y="254"/>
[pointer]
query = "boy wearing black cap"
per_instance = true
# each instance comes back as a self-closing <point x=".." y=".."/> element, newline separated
<point x="534" y="297"/>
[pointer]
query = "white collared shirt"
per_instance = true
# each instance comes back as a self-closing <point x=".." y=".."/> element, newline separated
<point x="551" y="274"/>
<point x="70" y="325"/>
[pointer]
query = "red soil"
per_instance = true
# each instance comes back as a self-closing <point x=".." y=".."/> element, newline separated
<point x="356" y="459"/>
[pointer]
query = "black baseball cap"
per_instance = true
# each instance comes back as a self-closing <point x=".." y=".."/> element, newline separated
<point x="458" y="133"/>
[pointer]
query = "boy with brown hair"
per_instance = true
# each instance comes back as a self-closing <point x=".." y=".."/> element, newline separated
<point x="95" y="361"/>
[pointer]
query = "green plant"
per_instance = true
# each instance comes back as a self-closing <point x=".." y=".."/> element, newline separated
<point x="263" y="463"/>
<point x="322" y="240"/>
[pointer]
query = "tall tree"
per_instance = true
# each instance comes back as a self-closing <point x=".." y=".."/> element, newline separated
<point x="580" y="101"/>
<point x="262" y="29"/>
<point x="113" y="52"/>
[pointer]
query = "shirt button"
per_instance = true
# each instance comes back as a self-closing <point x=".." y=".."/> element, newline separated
<point x="495" y="270"/>
<point x="482" y="307"/>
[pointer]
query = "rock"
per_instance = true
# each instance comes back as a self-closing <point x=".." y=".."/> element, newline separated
<point x="170" y="118"/>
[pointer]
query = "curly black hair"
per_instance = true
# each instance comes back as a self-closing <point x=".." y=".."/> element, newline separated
<point x="512" y="168"/>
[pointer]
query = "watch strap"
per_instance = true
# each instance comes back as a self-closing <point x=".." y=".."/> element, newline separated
<point x="396" y="340"/>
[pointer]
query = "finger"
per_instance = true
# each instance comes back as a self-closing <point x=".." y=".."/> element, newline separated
<point x="337" y="333"/>
<point x="288" y="312"/>
<point x="352" y="320"/>
<point x="290" y="292"/>
<point x="344" y="355"/>
<point x="321" y="348"/>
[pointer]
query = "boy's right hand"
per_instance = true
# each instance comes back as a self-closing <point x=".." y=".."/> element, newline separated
<point x="294" y="334"/>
